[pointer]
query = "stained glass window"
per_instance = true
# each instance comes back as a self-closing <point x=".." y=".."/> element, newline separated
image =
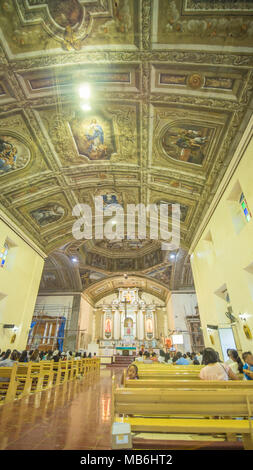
<point x="3" y="254"/>
<point x="245" y="208"/>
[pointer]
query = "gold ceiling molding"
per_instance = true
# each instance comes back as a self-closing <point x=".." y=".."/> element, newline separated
<point x="171" y="115"/>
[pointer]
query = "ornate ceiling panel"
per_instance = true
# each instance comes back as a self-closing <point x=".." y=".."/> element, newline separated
<point x="171" y="95"/>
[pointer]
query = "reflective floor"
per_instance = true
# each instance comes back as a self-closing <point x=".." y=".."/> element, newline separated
<point x="72" y="416"/>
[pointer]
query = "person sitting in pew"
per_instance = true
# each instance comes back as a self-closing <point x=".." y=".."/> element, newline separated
<point x="154" y="358"/>
<point x="23" y="356"/>
<point x="235" y="363"/>
<point x="6" y="355"/>
<point x="147" y="359"/>
<point x="161" y="357"/>
<point x="248" y="366"/>
<point x="132" y="372"/>
<point x="9" y="363"/>
<point x="180" y="360"/>
<point x="56" y="356"/>
<point x="168" y="358"/>
<point x="35" y="356"/>
<point x="215" y="370"/>
<point x="140" y="357"/>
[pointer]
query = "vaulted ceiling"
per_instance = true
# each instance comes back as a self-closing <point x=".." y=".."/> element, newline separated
<point x="171" y="93"/>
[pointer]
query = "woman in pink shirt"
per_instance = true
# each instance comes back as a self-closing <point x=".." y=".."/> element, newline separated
<point x="215" y="370"/>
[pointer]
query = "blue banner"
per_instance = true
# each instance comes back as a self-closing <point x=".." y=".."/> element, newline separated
<point x="61" y="334"/>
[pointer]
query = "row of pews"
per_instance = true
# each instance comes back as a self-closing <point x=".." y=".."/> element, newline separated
<point x="23" y="379"/>
<point x="173" y="399"/>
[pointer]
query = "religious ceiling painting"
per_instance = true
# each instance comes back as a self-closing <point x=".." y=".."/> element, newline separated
<point x="186" y="143"/>
<point x="50" y="280"/>
<point x="93" y="137"/>
<point x="125" y="264"/>
<point x="67" y="13"/>
<point x="111" y="199"/>
<point x="162" y="274"/>
<point x="204" y="22"/>
<point x="123" y="245"/>
<point x="153" y="259"/>
<point x="69" y="25"/>
<point x="88" y="277"/>
<point x="48" y="214"/>
<point x="183" y="209"/>
<point x="14" y="155"/>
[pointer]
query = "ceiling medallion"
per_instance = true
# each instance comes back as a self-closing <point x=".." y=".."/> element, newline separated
<point x="195" y="81"/>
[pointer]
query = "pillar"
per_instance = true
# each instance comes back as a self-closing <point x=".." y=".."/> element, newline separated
<point x="71" y="334"/>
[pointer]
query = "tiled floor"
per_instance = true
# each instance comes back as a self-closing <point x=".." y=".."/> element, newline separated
<point x="73" y="416"/>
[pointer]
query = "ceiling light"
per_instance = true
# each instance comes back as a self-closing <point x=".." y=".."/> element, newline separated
<point x="75" y="260"/>
<point x="172" y="256"/>
<point x="85" y="107"/>
<point x="84" y="91"/>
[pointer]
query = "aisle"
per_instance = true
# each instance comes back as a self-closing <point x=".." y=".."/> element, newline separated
<point x="75" y="416"/>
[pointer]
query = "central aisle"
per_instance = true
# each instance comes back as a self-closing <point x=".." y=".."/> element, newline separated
<point x="73" y="416"/>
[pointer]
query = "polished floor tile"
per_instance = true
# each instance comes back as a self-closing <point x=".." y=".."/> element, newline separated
<point x="72" y="416"/>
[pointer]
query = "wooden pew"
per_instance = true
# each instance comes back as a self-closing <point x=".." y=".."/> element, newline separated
<point x="154" y="410"/>
<point x="164" y="366"/>
<point x="168" y="375"/>
<point x="9" y="384"/>
<point x="189" y="384"/>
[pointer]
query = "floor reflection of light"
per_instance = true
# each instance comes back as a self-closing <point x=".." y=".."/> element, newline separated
<point x="106" y="409"/>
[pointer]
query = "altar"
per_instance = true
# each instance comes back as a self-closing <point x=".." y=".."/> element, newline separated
<point x="126" y="350"/>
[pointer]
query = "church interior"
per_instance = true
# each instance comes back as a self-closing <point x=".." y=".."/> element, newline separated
<point x="160" y="92"/>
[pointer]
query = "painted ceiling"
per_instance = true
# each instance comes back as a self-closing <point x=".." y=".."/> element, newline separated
<point x="171" y="93"/>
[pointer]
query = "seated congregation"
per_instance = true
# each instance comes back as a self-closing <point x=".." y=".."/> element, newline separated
<point x="23" y="373"/>
<point x="209" y="399"/>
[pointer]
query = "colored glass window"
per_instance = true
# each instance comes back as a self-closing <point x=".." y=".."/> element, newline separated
<point x="245" y="207"/>
<point x="3" y="254"/>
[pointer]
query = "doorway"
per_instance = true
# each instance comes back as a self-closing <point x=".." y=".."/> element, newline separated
<point x="227" y="341"/>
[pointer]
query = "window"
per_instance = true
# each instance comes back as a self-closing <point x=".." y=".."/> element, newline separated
<point x="3" y="254"/>
<point x="245" y="208"/>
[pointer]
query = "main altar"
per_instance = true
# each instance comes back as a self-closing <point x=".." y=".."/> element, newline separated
<point x="129" y="324"/>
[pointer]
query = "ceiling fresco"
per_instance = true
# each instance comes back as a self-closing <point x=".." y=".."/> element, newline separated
<point x="171" y="94"/>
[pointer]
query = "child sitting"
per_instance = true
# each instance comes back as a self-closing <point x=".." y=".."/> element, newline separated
<point x="132" y="372"/>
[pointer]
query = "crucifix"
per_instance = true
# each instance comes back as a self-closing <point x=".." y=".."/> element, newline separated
<point x="125" y="304"/>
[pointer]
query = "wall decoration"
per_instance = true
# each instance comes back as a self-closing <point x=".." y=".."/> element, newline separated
<point x="211" y="339"/>
<point x="48" y="214"/>
<point x="93" y="137"/>
<point x="108" y="326"/>
<point x="186" y="143"/>
<point x="195" y="81"/>
<point x="14" y="155"/>
<point x="247" y="331"/>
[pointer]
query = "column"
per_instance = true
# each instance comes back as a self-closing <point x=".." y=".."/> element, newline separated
<point x="156" y="327"/>
<point x="71" y="334"/>
<point x="94" y="336"/>
<point x="103" y="324"/>
<point x="136" y="323"/>
<point x="113" y="324"/>
<point x="120" y="320"/>
<point x="144" y="325"/>
<point x="141" y="329"/>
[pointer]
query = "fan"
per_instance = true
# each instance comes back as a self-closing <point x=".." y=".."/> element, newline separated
<point x="230" y="315"/>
